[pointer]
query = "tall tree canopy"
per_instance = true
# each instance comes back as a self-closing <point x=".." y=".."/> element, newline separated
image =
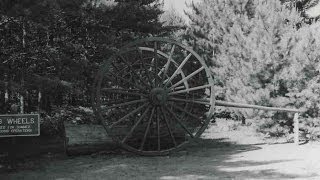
<point x="55" y="46"/>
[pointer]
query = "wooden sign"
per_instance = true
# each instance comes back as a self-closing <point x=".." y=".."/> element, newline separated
<point x="19" y="125"/>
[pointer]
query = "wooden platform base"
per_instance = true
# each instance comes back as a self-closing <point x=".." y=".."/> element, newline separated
<point x="87" y="139"/>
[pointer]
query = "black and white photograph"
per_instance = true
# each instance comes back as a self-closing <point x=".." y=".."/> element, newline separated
<point x="159" y="89"/>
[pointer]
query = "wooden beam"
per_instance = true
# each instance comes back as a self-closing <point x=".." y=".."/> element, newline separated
<point x="240" y="105"/>
<point x="87" y="139"/>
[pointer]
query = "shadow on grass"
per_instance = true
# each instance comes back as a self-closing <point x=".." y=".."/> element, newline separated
<point x="204" y="159"/>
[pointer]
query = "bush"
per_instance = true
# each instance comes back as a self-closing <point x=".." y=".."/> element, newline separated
<point x="229" y="114"/>
<point x="52" y="123"/>
<point x="233" y="126"/>
<point x="272" y="128"/>
<point x="311" y="126"/>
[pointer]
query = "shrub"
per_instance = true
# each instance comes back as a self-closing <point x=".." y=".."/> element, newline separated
<point x="229" y="114"/>
<point x="311" y="126"/>
<point x="52" y="123"/>
<point x="233" y="126"/>
<point x="272" y="128"/>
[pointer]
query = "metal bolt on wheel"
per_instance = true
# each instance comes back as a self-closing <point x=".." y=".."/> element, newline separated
<point x="149" y="96"/>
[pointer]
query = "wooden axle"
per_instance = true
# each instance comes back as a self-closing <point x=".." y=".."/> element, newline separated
<point x="241" y="105"/>
<point x="237" y="105"/>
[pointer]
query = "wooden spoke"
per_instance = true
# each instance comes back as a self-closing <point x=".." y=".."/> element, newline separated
<point x="187" y="112"/>
<point x="168" y="127"/>
<point x="161" y="79"/>
<point x="122" y="91"/>
<point x="155" y="62"/>
<point x="125" y="104"/>
<point x="178" y="69"/>
<point x="191" y="89"/>
<point x="179" y="122"/>
<point x="151" y="64"/>
<point x="168" y="63"/>
<point x="147" y="129"/>
<point x="158" y="131"/>
<point x="153" y="67"/>
<point x="179" y="88"/>
<point x="154" y="73"/>
<point x="125" y="80"/>
<point x="123" y="69"/>
<point x="128" y="115"/>
<point x="197" y="101"/>
<point x="186" y="78"/>
<point x="104" y="105"/>
<point x="133" y="71"/>
<point x="143" y="64"/>
<point x="120" y="71"/>
<point x="135" y="125"/>
<point x="164" y="55"/>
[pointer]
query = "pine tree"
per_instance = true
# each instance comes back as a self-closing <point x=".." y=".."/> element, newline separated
<point x="246" y="47"/>
<point x="55" y="46"/>
<point x="174" y="21"/>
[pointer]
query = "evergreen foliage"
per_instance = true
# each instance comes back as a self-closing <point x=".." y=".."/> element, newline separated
<point x="172" y="19"/>
<point x="245" y="51"/>
<point x="258" y="55"/>
<point x="54" y="46"/>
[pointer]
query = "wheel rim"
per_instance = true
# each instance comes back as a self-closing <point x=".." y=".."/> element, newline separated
<point x="149" y="96"/>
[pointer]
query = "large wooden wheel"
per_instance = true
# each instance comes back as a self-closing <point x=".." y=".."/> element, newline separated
<point x="149" y="96"/>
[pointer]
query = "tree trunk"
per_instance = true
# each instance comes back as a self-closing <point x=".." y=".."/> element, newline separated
<point x="6" y="91"/>
<point x="24" y="34"/>
<point x="21" y="96"/>
<point x="28" y="102"/>
<point x="39" y="100"/>
<point x="21" y="104"/>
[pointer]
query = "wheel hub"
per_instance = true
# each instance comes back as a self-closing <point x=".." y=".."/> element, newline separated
<point x="158" y="96"/>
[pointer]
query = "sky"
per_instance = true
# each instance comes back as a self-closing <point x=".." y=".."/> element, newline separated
<point x="314" y="11"/>
<point x="178" y="5"/>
